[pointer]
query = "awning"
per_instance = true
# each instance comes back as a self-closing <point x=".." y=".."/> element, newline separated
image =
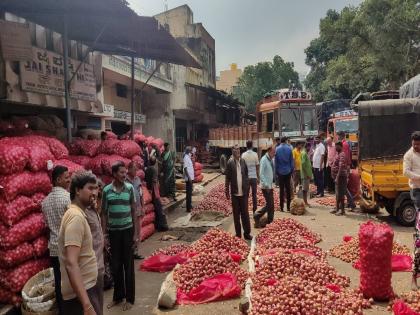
<point x="227" y="101"/>
<point x="120" y="30"/>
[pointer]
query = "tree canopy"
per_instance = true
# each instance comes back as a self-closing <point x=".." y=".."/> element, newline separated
<point x="371" y="47"/>
<point x="259" y="79"/>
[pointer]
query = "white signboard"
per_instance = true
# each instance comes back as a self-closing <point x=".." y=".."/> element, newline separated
<point x="45" y="74"/>
<point x="126" y="116"/>
<point x="310" y="132"/>
<point x="15" y="41"/>
<point x="290" y="133"/>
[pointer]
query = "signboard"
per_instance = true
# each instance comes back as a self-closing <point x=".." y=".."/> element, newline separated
<point x="126" y="116"/>
<point x="310" y="132"/>
<point x="294" y="94"/>
<point x="290" y="133"/>
<point x="107" y="111"/>
<point x="44" y="74"/>
<point x="15" y="41"/>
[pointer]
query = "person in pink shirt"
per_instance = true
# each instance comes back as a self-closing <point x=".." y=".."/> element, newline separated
<point x="346" y="146"/>
<point x="329" y="181"/>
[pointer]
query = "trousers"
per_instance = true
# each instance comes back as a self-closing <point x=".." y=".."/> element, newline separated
<point x="253" y="187"/>
<point x="240" y="213"/>
<point x="285" y="185"/>
<point x="269" y="206"/>
<point x="55" y="263"/>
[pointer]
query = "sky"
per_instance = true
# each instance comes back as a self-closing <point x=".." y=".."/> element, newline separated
<point x="249" y="31"/>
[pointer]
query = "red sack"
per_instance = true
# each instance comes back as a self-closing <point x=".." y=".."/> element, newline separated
<point x="17" y="255"/>
<point x="12" y="212"/>
<point x="57" y="148"/>
<point x="140" y="174"/>
<point x="375" y="260"/>
<point x="147" y="231"/>
<point x="95" y="164"/>
<point x="40" y="246"/>
<point x="198" y="166"/>
<point x="353" y="183"/>
<point x="8" y="297"/>
<point x="38" y="158"/>
<point x="347" y="238"/>
<point x="13" y="156"/>
<point x="333" y="287"/>
<point x="106" y="147"/>
<point x="149" y="208"/>
<point x="198" y="179"/>
<point x="400" y="308"/>
<point x="138" y="161"/>
<point x="109" y="160"/>
<point x="72" y="167"/>
<point x="138" y="137"/>
<point x="398" y="263"/>
<point x="27" y="229"/>
<point x="74" y="147"/>
<point x="148" y="218"/>
<point x="89" y="147"/>
<point x="25" y="183"/>
<point x="197" y="173"/>
<point x="147" y="196"/>
<point x="164" y="263"/>
<point x="79" y="159"/>
<point x="221" y="287"/>
<point x="126" y="148"/>
<point x="111" y="135"/>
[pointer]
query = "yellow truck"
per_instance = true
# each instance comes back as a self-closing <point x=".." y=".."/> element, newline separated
<point x="385" y="127"/>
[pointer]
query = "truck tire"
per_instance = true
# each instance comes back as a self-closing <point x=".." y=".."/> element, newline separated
<point x="223" y="163"/>
<point x="406" y="214"/>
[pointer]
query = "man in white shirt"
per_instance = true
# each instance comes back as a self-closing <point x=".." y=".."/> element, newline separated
<point x="411" y="166"/>
<point x="189" y="177"/>
<point x="318" y="165"/>
<point x="251" y="159"/>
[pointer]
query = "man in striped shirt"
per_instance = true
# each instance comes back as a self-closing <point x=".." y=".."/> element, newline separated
<point x="119" y="209"/>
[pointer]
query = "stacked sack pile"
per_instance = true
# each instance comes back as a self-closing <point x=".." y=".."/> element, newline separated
<point x="147" y="222"/>
<point x="24" y="181"/>
<point x="198" y="176"/>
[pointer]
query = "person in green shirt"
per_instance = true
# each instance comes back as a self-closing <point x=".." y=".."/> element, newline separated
<point x="306" y="174"/>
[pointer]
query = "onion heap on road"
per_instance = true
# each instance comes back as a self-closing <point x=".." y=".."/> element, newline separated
<point x="296" y="279"/>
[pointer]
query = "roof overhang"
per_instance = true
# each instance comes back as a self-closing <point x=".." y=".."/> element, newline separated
<point x="110" y="24"/>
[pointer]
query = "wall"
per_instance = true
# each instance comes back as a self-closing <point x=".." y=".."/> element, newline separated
<point x="228" y="79"/>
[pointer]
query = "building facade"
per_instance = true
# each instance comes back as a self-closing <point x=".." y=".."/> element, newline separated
<point x="228" y="79"/>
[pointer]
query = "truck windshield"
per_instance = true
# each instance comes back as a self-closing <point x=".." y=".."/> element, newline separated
<point x="309" y="119"/>
<point x="290" y="120"/>
<point x="349" y="126"/>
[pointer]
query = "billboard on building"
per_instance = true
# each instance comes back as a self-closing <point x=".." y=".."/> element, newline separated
<point x="15" y="41"/>
<point x="45" y="74"/>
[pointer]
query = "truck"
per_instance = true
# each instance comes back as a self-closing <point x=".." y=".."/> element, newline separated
<point x="287" y="113"/>
<point x="348" y="122"/>
<point x="385" y="127"/>
<point x="325" y="109"/>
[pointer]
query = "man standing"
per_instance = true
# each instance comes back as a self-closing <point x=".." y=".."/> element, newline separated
<point x="236" y="187"/>
<point x="346" y="147"/>
<point x="168" y="161"/>
<point x="119" y="209"/>
<point x="297" y="160"/>
<point x="152" y="183"/>
<point x="53" y="207"/>
<point x="330" y="161"/>
<point x="340" y="173"/>
<point x="266" y="180"/>
<point x="189" y="177"/>
<point x="134" y="180"/>
<point x="318" y="165"/>
<point x="411" y="167"/>
<point x="79" y="269"/>
<point x="306" y="174"/>
<point x="251" y="159"/>
<point x="284" y="169"/>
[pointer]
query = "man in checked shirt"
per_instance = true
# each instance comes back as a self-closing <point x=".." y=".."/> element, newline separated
<point x="53" y="208"/>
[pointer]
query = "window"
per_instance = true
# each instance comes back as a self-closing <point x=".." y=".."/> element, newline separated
<point x="308" y="119"/>
<point x="270" y="120"/>
<point x="276" y="120"/>
<point x="290" y="120"/>
<point x="348" y="126"/>
<point x="122" y="90"/>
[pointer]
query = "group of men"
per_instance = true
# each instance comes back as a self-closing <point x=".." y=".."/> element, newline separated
<point x="83" y="216"/>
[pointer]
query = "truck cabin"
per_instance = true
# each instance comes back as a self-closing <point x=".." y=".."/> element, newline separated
<point x="287" y="114"/>
<point x="347" y="122"/>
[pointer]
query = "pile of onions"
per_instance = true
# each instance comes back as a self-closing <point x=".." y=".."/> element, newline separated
<point x="218" y="240"/>
<point x="261" y="199"/>
<point x="293" y="295"/>
<point x="215" y="201"/>
<point x="172" y="250"/>
<point x="283" y="264"/>
<point x="288" y="224"/>
<point x="349" y="251"/>
<point x="204" y="266"/>
<point x="325" y="201"/>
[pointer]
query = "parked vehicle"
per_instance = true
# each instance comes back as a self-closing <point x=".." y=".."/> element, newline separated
<point x="324" y="110"/>
<point x="385" y="127"/>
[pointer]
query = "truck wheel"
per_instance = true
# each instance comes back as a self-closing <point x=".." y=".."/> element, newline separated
<point x="406" y="214"/>
<point x="222" y="163"/>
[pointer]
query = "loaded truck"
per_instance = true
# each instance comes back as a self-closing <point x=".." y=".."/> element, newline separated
<point x="385" y="127"/>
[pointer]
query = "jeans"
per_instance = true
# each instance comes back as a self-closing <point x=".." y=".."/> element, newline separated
<point x="350" y="200"/>
<point x="253" y="186"/>
<point x="284" y="182"/>
<point x="269" y="206"/>
<point x="55" y="263"/>
<point x="122" y="264"/>
<point x="319" y="181"/>
<point x="74" y="307"/>
<point x="415" y="196"/>
<point x="189" y="191"/>
<point x="240" y="213"/>
<point x="329" y="182"/>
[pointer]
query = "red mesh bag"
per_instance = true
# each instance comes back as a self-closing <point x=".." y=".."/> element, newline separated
<point x="198" y="166"/>
<point x="199" y="178"/>
<point x="12" y="212"/>
<point x="107" y="146"/>
<point x="57" y="148"/>
<point x="89" y="147"/>
<point x="111" y="135"/>
<point x="13" y="156"/>
<point x="147" y="231"/>
<point x="148" y="218"/>
<point x="126" y="148"/>
<point x="109" y="160"/>
<point x="95" y="164"/>
<point x="138" y="161"/>
<point x="79" y="159"/>
<point x="8" y="297"/>
<point x="140" y="174"/>
<point x="149" y="208"/>
<point x="25" y="183"/>
<point x="27" y="229"/>
<point x="17" y="255"/>
<point x="40" y="246"/>
<point x="375" y="260"/>
<point x="73" y="167"/>
<point x="147" y="196"/>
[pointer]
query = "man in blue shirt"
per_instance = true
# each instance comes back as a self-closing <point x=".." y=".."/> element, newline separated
<point x="284" y="170"/>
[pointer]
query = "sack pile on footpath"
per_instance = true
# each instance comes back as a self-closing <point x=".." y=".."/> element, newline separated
<point x="198" y="176"/>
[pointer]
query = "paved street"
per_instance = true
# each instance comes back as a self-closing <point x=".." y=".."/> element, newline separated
<point x="318" y="218"/>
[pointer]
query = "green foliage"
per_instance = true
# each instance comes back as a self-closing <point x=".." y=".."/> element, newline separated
<point x="262" y="78"/>
<point x="366" y="48"/>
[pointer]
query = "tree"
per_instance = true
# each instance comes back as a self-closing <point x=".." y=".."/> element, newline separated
<point x="366" y="48"/>
<point x="264" y="77"/>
